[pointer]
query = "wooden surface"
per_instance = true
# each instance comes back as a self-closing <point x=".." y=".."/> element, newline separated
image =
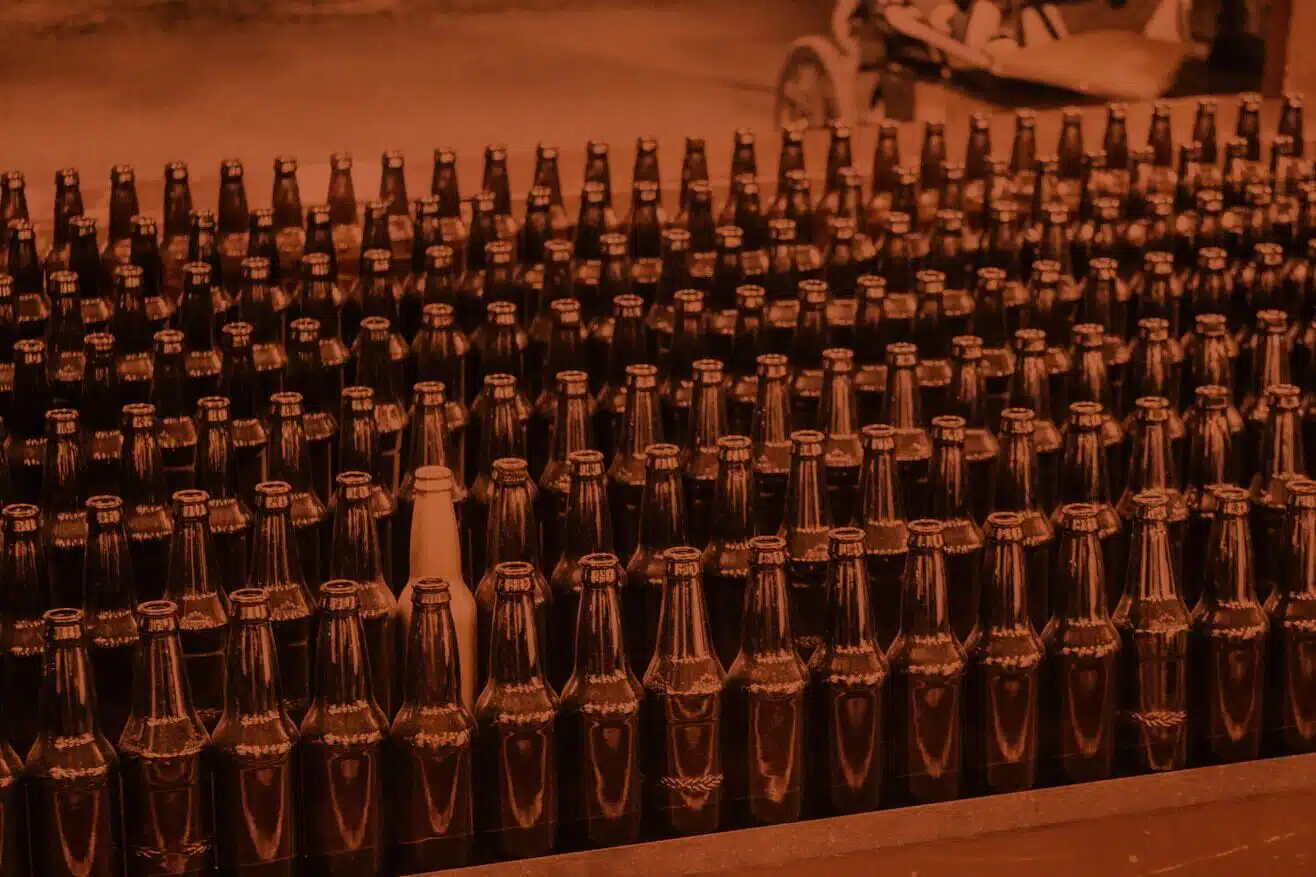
<point x="1256" y="819"/>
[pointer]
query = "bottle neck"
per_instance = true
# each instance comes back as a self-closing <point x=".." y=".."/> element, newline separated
<point x="274" y="559"/>
<point x="806" y="497"/>
<point x="193" y="567"/>
<point x="1083" y="468"/>
<point x="253" y="681"/>
<point x="683" y="632"/>
<point x="949" y="483"/>
<point x="1016" y="484"/>
<point x="733" y="504"/>
<point x="434" y="679"/>
<point x="108" y="576"/>
<point x="1230" y="571"/>
<point x="765" y="629"/>
<point x="599" y="653"/>
<point x="1150" y="576"/>
<point x="356" y="554"/>
<point x="289" y="456"/>
<point x="342" y="673"/>
<point x="435" y="543"/>
<point x="160" y="692"/>
<point x="67" y="699"/>
<point x="513" y="646"/>
<point x="923" y="611"/>
<point x="849" y="610"/>
<point x="1005" y="603"/>
<point x="662" y="512"/>
<point x="588" y="522"/>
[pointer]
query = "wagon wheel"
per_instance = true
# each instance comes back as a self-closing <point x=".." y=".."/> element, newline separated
<point x="816" y="85"/>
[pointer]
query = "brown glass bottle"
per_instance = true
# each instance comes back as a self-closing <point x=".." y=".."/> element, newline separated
<point x="571" y="431"/>
<point x="123" y="207"/>
<point x="662" y="525"/>
<point x="239" y="383"/>
<point x="1282" y="460"/>
<point x="586" y="528"/>
<point x="846" y="696"/>
<point x="101" y="415"/>
<point x="904" y="411"/>
<point x="276" y="568"/>
<point x="726" y="556"/>
<point x="765" y="689"/>
<point x="880" y="515"/>
<point x="26" y="445"/>
<point x="1153" y="624"/>
<point x="233" y="221"/>
<point x="169" y="394"/>
<point x="427" y="444"/>
<point x="341" y="757"/>
<point x="439" y="353"/>
<point x="1005" y="656"/>
<point x="1082" y="655"/>
<point x="65" y="358"/>
<point x="202" y="361"/>
<point x="84" y="260"/>
<point x="927" y="667"/>
<point x="289" y="461"/>
<point x="145" y="500"/>
<point x="321" y="396"/>
<point x="195" y="587"/>
<point x="1270" y="366"/>
<point x="563" y="351"/>
<point x="110" y="584"/>
<point x="230" y="516"/>
<point x="517" y="718"/>
<point x="1018" y="490"/>
<point x="967" y="397"/>
<point x="641" y="427"/>
<point x="804" y="528"/>
<point x="358" y="451"/>
<point x="27" y="597"/>
<point x="263" y="305"/>
<point x="770" y="430"/>
<point x="65" y="518"/>
<point x="355" y="555"/>
<point x="1084" y="478"/>
<point x="72" y="769"/>
<point x="1228" y="641"/>
<point x="255" y="780"/>
<point x="707" y="424"/>
<point x="164" y="757"/>
<point x="1030" y="388"/>
<point x="1290" y="698"/>
<point x="429" y="744"/>
<point x="1153" y="466"/>
<point x="682" y="727"/>
<point x="949" y="502"/>
<point x="68" y="205"/>
<point x="600" y="718"/>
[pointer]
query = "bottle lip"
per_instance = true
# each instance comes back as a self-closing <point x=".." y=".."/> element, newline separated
<point x="430" y="591"/>
<point x="681" y="554"/>
<point x="95" y="504"/>
<point x="338" y="597"/>
<point x="432" y="479"/>
<point x="514" y="577"/>
<point x="602" y="570"/>
<point x="157" y="610"/>
<point x="926" y="529"/>
<point x="1006" y="526"/>
<point x="249" y="597"/>
<point x="846" y="535"/>
<point x="508" y="470"/>
<point x="63" y="624"/>
<point x="283" y="488"/>
<point x="190" y="497"/>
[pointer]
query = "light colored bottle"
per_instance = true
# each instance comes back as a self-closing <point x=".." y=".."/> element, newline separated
<point x="436" y="552"/>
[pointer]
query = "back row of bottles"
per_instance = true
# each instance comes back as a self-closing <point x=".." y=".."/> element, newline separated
<point x="967" y="420"/>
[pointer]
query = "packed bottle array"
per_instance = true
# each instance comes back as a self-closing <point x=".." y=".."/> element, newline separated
<point x="464" y="533"/>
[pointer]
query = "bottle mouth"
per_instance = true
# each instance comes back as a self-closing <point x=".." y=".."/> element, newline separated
<point x="430" y="591"/>
<point x="845" y="535"/>
<point x="63" y="625"/>
<point x="157" y="609"/>
<point x="338" y="596"/>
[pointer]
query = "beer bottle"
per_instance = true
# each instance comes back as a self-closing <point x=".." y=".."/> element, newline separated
<point x="123" y="207"/>
<point x="1017" y="491"/>
<point x="358" y="451"/>
<point x="933" y="341"/>
<point x="564" y="353"/>
<point x="254" y="748"/>
<point x="1204" y="130"/>
<point x="440" y="354"/>
<point x="1154" y="466"/>
<point x="28" y="595"/>
<point x="708" y="423"/>
<point x="178" y="435"/>
<point x="68" y="205"/>
<point x="380" y="372"/>
<point x="629" y="346"/>
<point x="322" y="299"/>
<point x="1209" y="361"/>
<point x="967" y="398"/>
<point x="879" y="514"/>
<point x="72" y="769"/>
<point x="782" y="281"/>
<point x="1153" y="623"/>
<point x="641" y="426"/>
<point x="765" y="688"/>
<point x="689" y="339"/>
<point x="435" y="280"/>
<point x="203" y="246"/>
<point x="600" y="718"/>
<point x="355" y="555"/>
<point x="586" y="528"/>
<point x="904" y="411"/>
<point x="31" y="396"/>
<point x="65" y="360"/>
<point x="233" y="221"/>
<point x="202" y="362"/>
<point x="342" y="745"/>
<point x="1154" y="366"/>
<point x="1082" y="655"/>
<point x="145" y="499"/>
<point x="1270" y="366"/>
<point x="239" y="382"/>
<point x="804" y="528"/>
<point x="1290" y="698"/>
<point x="846" y="704"/>
<point x="101" y="414"/>
<point x="32" y="306"/>
<point x="276" y="568"/>
<point x="1005" y="657"/>
<point x="1090" y="381"/>
<point x="1212" y="459"/>
<point x="164" y="757"/>
<point x="435" y="549"/>
<point x="1084" y="478"/>
<point x="1154" y="293"/>
<point x="770" y="430"/>
<point x="726" y="557"/>
<point x="262" y="306"/>
<point x="262" y="245"/>
<point x="1228" y="640"/>
<point x="289" y="219"/>
<point x="662" y="525"/>
<point x="750" y="336"/>
<point x="195" y="587"/>
<point x="110" y="586"/>
<point x="1030" y="389"/>
<point x="838" y="420"/>
<point x="682" y="711"/>
<point x="517" y="717"/>
<point x="1281" y="461"/>
<point x="430" y="741"/>
<point x="870" y="340"/>
<point x="65" y="518"/>
<point x="84" y="260"/>
<point x="230" y="516"/>
<point x="499" y="413"/>
<point x="443" y="185"/>
<point x="290" y="462"/>
<point x="927" y="667"/>
<point x="950" y="502"/>
<point x="133" y="331"/>
<point x="571" y="431"/>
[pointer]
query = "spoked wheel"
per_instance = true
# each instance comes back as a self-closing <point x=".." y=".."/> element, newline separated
<point x="817" y="85"/>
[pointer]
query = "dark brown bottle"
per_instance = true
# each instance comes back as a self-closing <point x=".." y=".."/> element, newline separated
<point x="499" y="413"/>
<point x="65" y="518"/>
<point x="321" y="298"/>
<point x="683" y="707"/>
<point x="630" y="345"/>
<point x="1228" y="641"/>
<point x="321" y="391"/>
<point x="967" y="398"/>
<point x="84" y="260"/>
<point x="27" y="597"/>
<point x="1153" y="466"/>
<point x="257" y="817"/>
<point x="1213" y="458"/>
<point x="1271" y="365"/>
<point x="202" y="360"/>
<point x="846" y="695"/>
<point x="512" y="535"/>
<point x="341" y="757"/>
<point x="355" y="555"/>
<point x="804" y="528"/>
<point x="586" y="528"/>
<point x="264" y="306"/>
<point x="169" y="394"/>
<point x="1290" y="698"/>
<point x="1282" y="460"/>
<point x="571" y="431"/>
<point x="1005" y="656"/>
<point x="1017" y="490"/>
<point x="164" y="757"/>
<point x="1153" y="624"/>
<point x="289" y="461"/>
<point x="358" y="451"/>
<point x="949" y="501"/>
<point x="440" y="354"/>
<point x="726" y="556"/>
<point x="904" y="411"/>
<point x="927" y="666"/>
<point x="1030" y="388"/>
<point x="230" y="516"/>
<point x="68" y="205"/>
<point x="1081" y="673"/>
<point x="203" y="246"/>
<point x="32" y="306"/>
<point x="600" y="718"/>
<point x="564" y="351"/>
<point x="276" y="569"/>
<point x="517" y="718"/>
<point x="707" y="424"/>
<point x="839" y="421"/>
<point x="26" y="446"/>
<point x="750" y="336"/>
<point x="662" y="525"/>
<point x="233" y="222"/>
<point x="770" y="430"/>
<point x="65" y="359"/>
<point x="72" y="769"/>
<point x="880" y="515"/>
<point x="110" y="584"/>
<point x="145" y="500"/>
<point x="123" y="207"/>
<point x="195" y="587"/>
<point x="429" y="744"/>
<point x="177" y="216"/>
<point x="248" y="431"/>
<point x="641" y="426"/>
<point x="101" y="413"/>
<point x="763" y="720"/>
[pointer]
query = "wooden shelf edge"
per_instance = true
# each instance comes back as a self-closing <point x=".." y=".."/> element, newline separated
<point x="888" y="830"/>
